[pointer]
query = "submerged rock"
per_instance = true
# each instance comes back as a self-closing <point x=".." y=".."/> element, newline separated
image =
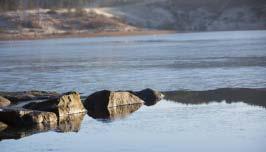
<point x="68" y="103"/>
<point x="149" y="96"/>
<point x="3" y="126"/>
<point x="23" y="117"/>
<point x="4" y="102"/>
<point x="105" y="99"/>
<point x="114" y="113"/>
<point x="28" y="95"/>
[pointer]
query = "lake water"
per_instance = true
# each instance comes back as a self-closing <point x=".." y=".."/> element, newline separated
<point x="194" y="61"/>
<point x="186" y="61"/>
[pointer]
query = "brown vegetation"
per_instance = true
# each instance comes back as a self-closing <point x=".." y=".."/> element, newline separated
<point x="45" y="23"/>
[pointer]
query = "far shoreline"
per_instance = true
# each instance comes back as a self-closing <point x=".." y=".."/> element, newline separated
<point x="29" y="37"/>
<point x="18" y="37"/>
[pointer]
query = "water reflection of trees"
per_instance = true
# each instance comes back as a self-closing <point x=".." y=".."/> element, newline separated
<point x="250" y="96"/>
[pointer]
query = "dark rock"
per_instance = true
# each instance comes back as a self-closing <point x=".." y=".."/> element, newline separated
<point x="28" y="95"/>
<point x="149" y="96"/>
<point x="3" y="126"/>
<point x="24" y="117"/>
<point x="4" y="102"/>
<point x="68" y="103"/>
<point x="105" y="99"/>
<point x="114" y="113"/>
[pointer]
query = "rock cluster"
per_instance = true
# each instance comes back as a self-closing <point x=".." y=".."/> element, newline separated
<point x="46" y="112"/>
<point x="110" y="105"/>
<point x="106" y="99"/>
<point x="65" y="112"/>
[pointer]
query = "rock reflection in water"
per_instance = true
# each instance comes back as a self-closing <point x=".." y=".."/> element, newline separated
<point x="250" y="96"/>
<point x="17" y="133"/>
<point x="70" y="123"/>
<point x="114" y="113"/>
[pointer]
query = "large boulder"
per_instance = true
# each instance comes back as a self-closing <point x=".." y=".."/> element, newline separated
<point x="68" y="103"/>
<point x="149" y="96"/>
<point x="4" y="102"/>
<point x="23" y="117"/>
<point x="105" y="99"/>
<point x="28" y="95"/>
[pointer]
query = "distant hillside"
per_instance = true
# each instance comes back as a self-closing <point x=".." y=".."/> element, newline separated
<point x="34" y="18"/>
<point x="41" y="23"/>
<point x="192" y="15"/>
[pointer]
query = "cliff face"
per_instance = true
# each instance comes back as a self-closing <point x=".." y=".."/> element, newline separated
<point x="192" y="15"/>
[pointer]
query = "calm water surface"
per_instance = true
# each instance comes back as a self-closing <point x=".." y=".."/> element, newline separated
<point x="194" y="61"/>
<point x="191" y="61"/>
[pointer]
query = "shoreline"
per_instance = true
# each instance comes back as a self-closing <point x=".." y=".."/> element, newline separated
<point x="11" y="37"/>
<point x="23" y="37"/>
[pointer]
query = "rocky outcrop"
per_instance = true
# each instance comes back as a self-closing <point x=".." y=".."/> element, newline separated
<point x="68" y="103"/>
<point x="149" y="96"/>
<point x="24" y="117"/>
<point x="3" y="126"/>
<point x="114" y="113"/>
<point x="62" y="113"/>
<point x="4" y="102"/>
<point x="28" y="95"/>
<point x="106" y="99"/>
